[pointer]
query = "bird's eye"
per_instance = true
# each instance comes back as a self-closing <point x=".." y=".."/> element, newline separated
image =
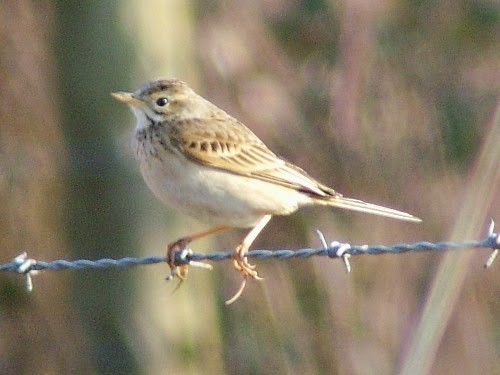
<point x="161" y="102"/>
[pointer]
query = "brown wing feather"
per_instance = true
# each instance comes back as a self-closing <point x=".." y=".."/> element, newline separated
<point x="234" y="148"/>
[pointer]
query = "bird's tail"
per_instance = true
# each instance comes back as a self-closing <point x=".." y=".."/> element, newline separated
<point x="357" y="205"/>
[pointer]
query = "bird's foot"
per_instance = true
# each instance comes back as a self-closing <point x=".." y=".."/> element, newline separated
<point x="176" y="269"/>
<point x="241" y="264"/>
<point x="177" y="260"/>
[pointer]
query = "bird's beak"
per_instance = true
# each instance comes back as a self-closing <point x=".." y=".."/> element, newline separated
<point x="127" y="98"/>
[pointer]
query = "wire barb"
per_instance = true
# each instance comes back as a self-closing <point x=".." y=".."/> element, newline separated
<point x="495" y="240"/>
<point x="182" y="259"/>
<point x="341" y="250"/>
<point x="25" y="266"/>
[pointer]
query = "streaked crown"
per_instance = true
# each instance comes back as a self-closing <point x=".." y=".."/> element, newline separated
<point x="165" y="99"/>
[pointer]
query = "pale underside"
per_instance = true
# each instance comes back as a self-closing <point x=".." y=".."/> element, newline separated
<point x="216" y="196"/>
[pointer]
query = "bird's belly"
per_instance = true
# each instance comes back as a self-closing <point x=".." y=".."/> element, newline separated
<point x="214" y="196"/>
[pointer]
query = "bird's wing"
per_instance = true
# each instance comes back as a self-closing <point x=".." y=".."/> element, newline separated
<point x="225" y="143"/>
<point x="233" y="148"/>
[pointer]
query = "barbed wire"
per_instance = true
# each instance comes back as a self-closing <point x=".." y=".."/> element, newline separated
<point x="24" y="265"/>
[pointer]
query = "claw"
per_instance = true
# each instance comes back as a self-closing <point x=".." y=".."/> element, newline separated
<point x="248" y="270"/>
<point x="174" y="248"/>
<point x="241" y="264"/>
<point x="238" y="293"/>
<point x="181" y="280"/>
<point x="177" y="252"/>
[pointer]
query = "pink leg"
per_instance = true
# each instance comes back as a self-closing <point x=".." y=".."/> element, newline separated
<point x="240" y="259"/>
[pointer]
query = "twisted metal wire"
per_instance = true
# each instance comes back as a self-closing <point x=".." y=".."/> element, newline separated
<point x="25" y="265"/>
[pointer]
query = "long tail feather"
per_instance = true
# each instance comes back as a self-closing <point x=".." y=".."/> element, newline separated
<point x="357" y="205"/>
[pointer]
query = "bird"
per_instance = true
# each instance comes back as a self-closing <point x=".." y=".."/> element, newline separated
<point x="205" y="163"/>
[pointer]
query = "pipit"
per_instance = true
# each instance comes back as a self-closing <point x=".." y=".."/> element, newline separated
<point x="205" y="163"/>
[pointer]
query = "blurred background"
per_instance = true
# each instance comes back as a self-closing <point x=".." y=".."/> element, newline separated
<point x="391" y="101"/>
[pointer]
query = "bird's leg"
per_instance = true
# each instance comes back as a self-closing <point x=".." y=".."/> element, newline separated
<point x="240" y="259"/>
<point x="181" y="271"/>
